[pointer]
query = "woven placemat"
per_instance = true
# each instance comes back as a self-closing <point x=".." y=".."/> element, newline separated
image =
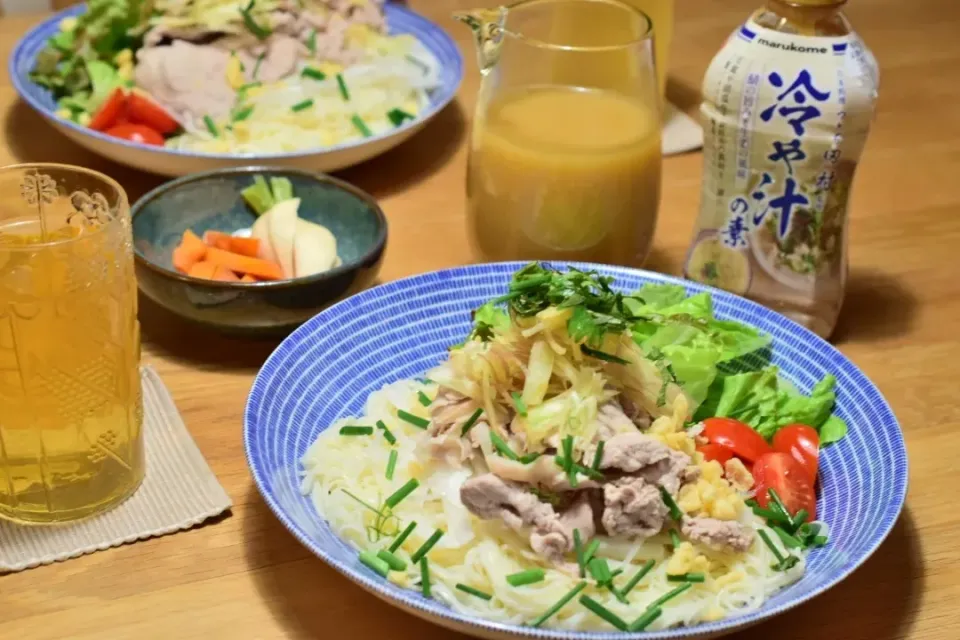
<point x="178" y="492"/>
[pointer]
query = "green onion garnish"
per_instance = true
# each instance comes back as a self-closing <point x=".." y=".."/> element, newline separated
<point x="474" y="592"/>
<point x="668" y="500"/>
<point x="645" y="619"/>
<point x="787" y="539"/>
<point x="578" y="549"/>
<point x="312" y="43"/>
<point x="401" y="493"/>
<point x="417" y="421"/>
<point x="344" y="92"/>
<point x="356" y="431"/>
<point x="568" y="461"/>
<point x="530" y="576"/>
<point x="472" y="420"/>
<point x="530" y="457"/>
<point x="602" y="612"/>
<point x="361" y="126"/>
<point x="424" y="399"/>
<point x="670" y="595"/>
<point x="249" y="85"/>
<point x="687" y="577"/>
<point x="426" y="546"/>
<point x="256" y="65"/>
<point x="211" y="126"/>
<point x="590" y="473"/>
<point x="778" y="503"/>
<point x="560" y="604"/>
<point x="242" y="114"/>
<point x="391" y="464"/>
<point x="637" y="577"/>
<point x="799" y="518"/>
<point x="519" y="404"/>
<point x="400" y="539"/>
<point x="783" y="562"/>
<point x="771" y="516"/>
<point x="387" y="434"/>
<point x="375" y="563"/>
<point x="674" y="538"/>
<point x="300" y="106"/>
<point x="261" y="32"/>
<point x="398" y="116"/>
<point x="600" y="570"/>
<point x="395" y="563"/>
<point x="590" y="551"/>
<point x="316" y="74"/>
<point x="425" y="577"/>
<point x="502" y="446"/>
<point x="600" y="355"/>
<point x="597" y="457"/>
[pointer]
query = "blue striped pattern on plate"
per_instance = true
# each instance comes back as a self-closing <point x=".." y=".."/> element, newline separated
<point x="399" y="19"/>
<point x="326" y="369"/>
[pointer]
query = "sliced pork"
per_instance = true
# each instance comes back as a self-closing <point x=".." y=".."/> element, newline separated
<point x="646" y="457"/>
<point x="632" y="508"/>
<point x="188" y="79"/>
<point x="554" y="537"/>
<point x="722" y="535"/>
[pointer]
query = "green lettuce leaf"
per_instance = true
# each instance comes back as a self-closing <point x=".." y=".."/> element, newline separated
<point x="104" y="78"/>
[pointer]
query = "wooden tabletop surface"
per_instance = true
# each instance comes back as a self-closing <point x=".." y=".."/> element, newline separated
<point x="244" y="576"/>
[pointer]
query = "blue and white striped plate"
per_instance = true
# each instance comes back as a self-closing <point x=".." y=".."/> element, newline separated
<point x="173" y="162"/>
<point x="326" y="369"/>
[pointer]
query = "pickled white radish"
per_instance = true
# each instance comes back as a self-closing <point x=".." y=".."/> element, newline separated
<point x="315" y="249"/>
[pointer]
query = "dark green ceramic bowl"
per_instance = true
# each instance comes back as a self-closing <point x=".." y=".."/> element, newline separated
<point x="212" y="201"/>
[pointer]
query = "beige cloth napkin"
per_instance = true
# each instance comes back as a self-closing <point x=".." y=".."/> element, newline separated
<point x="178" y="492"/>
<point x="681" y="133"/>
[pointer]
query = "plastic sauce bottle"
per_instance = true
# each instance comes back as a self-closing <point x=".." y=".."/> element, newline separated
<point x="787" y="104"/>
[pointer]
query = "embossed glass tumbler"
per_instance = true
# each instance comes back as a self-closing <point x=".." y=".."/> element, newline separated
<point x="71" y="409"/>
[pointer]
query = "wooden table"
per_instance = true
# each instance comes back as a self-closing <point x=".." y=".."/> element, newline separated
<point x="245" y="577"/>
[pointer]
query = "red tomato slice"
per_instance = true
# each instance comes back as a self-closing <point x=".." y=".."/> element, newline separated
<point x="803" y="443"/>
<point x="735" y="436"/>
<point x="715" y="452"/>
<point x="143" y="110"/>
<point x="780" y="472"/>
<point x="110" y="111"/>
<point x="136" y="133"/>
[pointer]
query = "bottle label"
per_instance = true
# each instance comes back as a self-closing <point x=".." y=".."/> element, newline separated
<point x="786" y="117"/>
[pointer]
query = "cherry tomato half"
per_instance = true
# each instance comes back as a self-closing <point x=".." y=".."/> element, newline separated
<point x="110" y="111"/>
<point x="803" y="443"/>
<point x="735" y="436"/>
<point x="715" y="452"/>
<point x="143" y="110"/>
<point x="136" y="133"/>
<point x="780" y="472"/>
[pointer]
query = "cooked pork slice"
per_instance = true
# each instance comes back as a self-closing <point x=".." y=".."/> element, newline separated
<point x="671" y="472"/>
<point x="554" y="537"/>
<point x="188" y="79"/>
<point x="633" y="508"/>
<point x="647" y="457"/>
<point x="488" y="497"/>
<point x="450" y="448"/>
<point x="611" y="420"/>
<point x="449" y="409"/>
<point x="640" y="418"/>
<point x="279" y="59"/>
<point x="723" y="535"/>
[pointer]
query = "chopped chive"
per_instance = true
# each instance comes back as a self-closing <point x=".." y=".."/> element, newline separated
<point x="472" y="420"/>
<point x="597" y="457"/>
<point x="300" y="106"/>
<point x="668" y="500"/>
<point x="817" y="541"/>
<point x="530" y="457"/>
<point x="779" y="504"/>
<point x="602" y="612"/>
<point x="387" y="434"/>
<point x="600" y="355"/>
<point x="211" y="126"/>
<point x="312" y="43"/>
<point x="401" y="493"/>
<point x="315" y="74"/>
<point x="590" y="473"/>
<point x="400" y="539"/>
<point x="356" y="431"/>
<point x="530" y="576"/>
<point x="568" y="460"/>
<point x="424" y="399"/>
<point x="474" y="592"/>
<point x="578" y="549"/>
<point x="502" y="446"/>
<point x="417" y="421"/>
<point x="560" y="604"/>
<point x="261" y="32"/>
<point x="686" y="577"/>
<point x="590" y="551"/>
<point x="787" y="539"/>
<point x="773" y="548"/>
<point x="256" y="65"/>
<point x="645" y="619"/>
<point x="600" y="570"/>
<point x="783" y="562"/>
<point x="616" y="573"/>
<point x="771" y="516"/>
<point x="242" y="114"/>
<point x="391" y="464"/>
<point x="519" y="404"/>
<point x="344" y="92"/>
<point x="395" y="563"/>
<point x="249" y="85"/>
<point x="425" y="578"/>
<point x="675" y="538"/>
<point x="799" y="518"/>
<point x="637" y="577"/>
<point x="670" y="595"/>
<point x="375" y="563"/>
<point x="361" y="126"/>
<point x="426" y="546"/>
<point x="398" y="117"/>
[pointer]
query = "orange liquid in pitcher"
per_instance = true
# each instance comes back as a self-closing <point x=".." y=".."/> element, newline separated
<point x="70" y="398"/>
<point x="565" y="173"/>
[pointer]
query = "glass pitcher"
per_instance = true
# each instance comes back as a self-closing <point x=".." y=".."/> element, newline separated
<point x="565" y="157"/>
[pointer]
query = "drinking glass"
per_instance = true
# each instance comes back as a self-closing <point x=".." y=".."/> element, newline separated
<point x="71" y="409"/>
<point x="564" y="159"/>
